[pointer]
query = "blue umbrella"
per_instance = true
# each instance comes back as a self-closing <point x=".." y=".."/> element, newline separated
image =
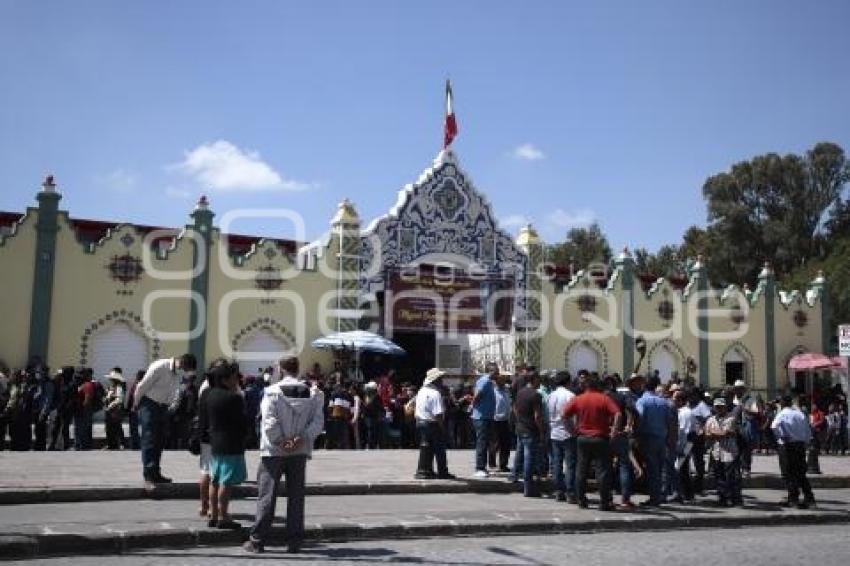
<point x="359" y="340"/>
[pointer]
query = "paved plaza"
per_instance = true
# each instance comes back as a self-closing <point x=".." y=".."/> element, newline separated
<point x="101" y="508"/>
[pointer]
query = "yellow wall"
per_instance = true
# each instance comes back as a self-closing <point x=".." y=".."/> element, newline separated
<point x="308" y="286"/>
<point x="84" y="292"/>
<point x="563" y="305"/>
<point x="791" y="339"/>
<point x="16" y="273"/>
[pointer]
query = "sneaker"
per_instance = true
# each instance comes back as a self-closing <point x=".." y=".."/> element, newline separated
<point x="424" y="475"/>
<point x="560" y="496"/>
<point x="212" y="523"/>
<point x="252" y="547"/>
<point x="628" y="506"/>
<point x="482" y="474"/>
<point x="446" y="476"/>
<point x="572" y="499"/>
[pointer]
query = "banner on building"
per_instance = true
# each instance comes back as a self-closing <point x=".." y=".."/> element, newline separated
<point x="425" y="300"/>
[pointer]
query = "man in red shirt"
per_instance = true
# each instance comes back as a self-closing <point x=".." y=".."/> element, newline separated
<point x="597" y="418"/>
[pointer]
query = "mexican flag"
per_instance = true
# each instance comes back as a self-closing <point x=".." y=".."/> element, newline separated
<point x="450" y="129"/>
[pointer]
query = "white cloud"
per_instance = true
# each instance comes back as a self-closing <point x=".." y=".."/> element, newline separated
<point x="560" y="218"/>
<point x="527" y="152"/>
<point x="222" y="166"/>
<point x="514" y="221"/>
<point x="119" y="180"/>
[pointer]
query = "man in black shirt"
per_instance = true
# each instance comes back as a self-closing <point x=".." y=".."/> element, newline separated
<point x="528" y="412"/>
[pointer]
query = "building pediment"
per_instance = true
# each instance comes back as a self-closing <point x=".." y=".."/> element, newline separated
<point x="440" y="216"/>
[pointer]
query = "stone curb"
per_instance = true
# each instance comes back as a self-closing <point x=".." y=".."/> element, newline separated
<point x="27" y="496"/>
<point x="16" y="547"/>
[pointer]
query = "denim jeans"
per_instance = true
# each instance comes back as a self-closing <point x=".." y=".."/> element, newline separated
<point x="529" y="445"/>
<point x="153" y="418"/>
<point x="135" y="441"/>
<point x="727" y="475"/>
<point x="432" y="445"/>
<point x="620" y="448"/>
<point x="750" y="434"/>
<point x="564" y="454"/>
<point x="483" y="428"/>
<point x="83" y="430"/>
<point x="597" y="450"/>
<point x="653" y="449"/>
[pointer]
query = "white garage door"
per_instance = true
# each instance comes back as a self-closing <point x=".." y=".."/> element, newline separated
<point x="119" y="345"/>
<point x="260" y="350"/>
<point x="583" y="357"/>
<point x="665" y="362"/>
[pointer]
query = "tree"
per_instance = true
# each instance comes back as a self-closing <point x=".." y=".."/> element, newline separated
<point x="668" y="261"/>
<point x="772" y="207"/>
<point x="581" y="248"/>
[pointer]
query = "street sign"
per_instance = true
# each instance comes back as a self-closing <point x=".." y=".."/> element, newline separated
<point x="844" y="340"/>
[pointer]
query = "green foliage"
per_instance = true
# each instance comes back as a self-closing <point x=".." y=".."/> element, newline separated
<point x="772" y="208"/>
<point x="582" y="247"/>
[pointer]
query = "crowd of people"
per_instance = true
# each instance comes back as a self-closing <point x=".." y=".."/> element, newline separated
<point x="637" y="434"/>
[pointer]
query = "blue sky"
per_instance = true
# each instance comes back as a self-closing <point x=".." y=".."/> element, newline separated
<point x="568" y="112"/>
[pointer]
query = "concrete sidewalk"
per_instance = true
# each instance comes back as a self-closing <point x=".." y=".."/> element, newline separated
<point x="41" y="477"/>
<point x="115" y="527"/>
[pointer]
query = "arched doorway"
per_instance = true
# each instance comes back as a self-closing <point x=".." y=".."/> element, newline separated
<point x="261" y="349"/>
<point x="582" y="357"/>
<point x="118" y="345"/>
<point x="665" y="362"/>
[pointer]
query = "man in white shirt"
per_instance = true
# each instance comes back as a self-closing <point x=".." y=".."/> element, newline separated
<point x="684" y="445"/>
<point x="792" y="432"/>
<point x="562" y="439"/>
<point x="154" y="393"/>
<point x="430" y="418"/>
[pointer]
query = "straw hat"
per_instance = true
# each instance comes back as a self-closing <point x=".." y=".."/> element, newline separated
<point x="116" y="376"/>
<point x="433" y="375"/>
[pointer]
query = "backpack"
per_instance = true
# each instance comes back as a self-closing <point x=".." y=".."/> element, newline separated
<point x="98" y="397"/>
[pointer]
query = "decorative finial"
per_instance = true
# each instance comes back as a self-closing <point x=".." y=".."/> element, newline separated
<point x="203" y="203"/>
<point x="821" y="278"/>
<point x="528" y="236"/>
<point x="767" y="270"/>
<point x="346" y="213"/>
<point x="49" y="186"/>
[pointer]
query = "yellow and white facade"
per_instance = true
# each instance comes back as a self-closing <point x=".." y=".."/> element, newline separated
<point x="102" y="294"/>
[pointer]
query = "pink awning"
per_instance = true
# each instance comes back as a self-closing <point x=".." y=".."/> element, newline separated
<point x="811" y="361"/>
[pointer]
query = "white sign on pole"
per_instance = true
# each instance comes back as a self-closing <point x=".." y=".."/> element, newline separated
<point x="844" y="340"/>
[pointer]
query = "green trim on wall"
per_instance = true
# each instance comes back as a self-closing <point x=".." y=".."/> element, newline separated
<point x="826" y="329"/>
<point x="200" y="283"/>
<point x="44" y="265"/>
<point x="702" y="325"/>
<point x="770" y="334"/>
<point x="628" y="279"/>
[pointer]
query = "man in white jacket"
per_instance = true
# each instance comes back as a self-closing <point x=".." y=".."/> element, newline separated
<point x="291" y="421"/>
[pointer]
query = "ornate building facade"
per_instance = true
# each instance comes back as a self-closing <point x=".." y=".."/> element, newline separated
<point x="436" y="274"/>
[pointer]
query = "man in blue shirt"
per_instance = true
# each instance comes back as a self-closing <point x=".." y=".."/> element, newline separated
<point x="792" y="432"/>
<point x="657" y="432"/>
<point x="483" y="411"/>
